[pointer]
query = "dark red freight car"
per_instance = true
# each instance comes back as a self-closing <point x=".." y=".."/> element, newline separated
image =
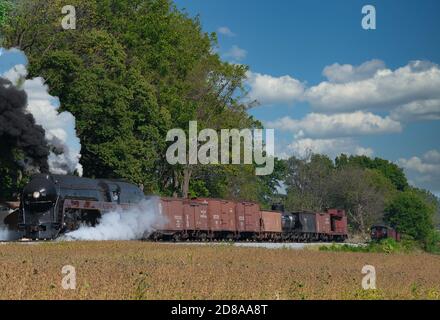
<point x="228" y="216"/>
<point x="221" y="218"/>
<point x="339" y="224"/>
<point x="270" y="225"/>
<point x="198" y="211"/>
<point x="172" y="219"/>
<point x="248" y="218"/>
<point x="182" y="219"/>
<point x="380" y="232"/>
<point x="323" y="224"/>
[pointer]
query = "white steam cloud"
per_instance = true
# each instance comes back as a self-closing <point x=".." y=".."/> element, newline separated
<point x="4" y="234"/>
<point x="59" y="126"/>
<point x="7" y="235"/>
<point x="133" y="224"/>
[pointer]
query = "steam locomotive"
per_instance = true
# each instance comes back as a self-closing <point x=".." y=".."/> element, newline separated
<point x="55" y="204"/>
<point x="52" y="205"/>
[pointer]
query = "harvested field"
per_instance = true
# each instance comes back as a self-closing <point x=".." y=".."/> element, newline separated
<point x="139" y="270"/>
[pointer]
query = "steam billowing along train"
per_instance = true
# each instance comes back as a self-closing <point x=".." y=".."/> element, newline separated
<point x="52" y="205"/>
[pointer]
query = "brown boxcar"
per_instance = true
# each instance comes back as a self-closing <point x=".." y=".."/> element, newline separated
<point x="199" y="212"/>
<point x="189" y="217"/>
<point x="182" y="219"/>
<point x="172" y="214"/>
<point x="270" y="222"/>
<point x="323" y="224"/>
<point x="248" y="217"/>
<point x="214" y="214"/>
<point x="380" y="232"/>
<point x="221" y="214"/>
<point x="228" y="216"/>
<point x="338" y="220"/>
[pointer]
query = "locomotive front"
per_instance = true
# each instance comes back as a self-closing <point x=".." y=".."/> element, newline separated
<point x="38" y="214"/>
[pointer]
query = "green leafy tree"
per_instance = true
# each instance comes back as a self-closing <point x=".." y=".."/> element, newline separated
<point x="5" y="7"/>
<point x="387" y="168"/>
<point x="307" y="182"/>
<point x="411" y="214"/>
<point x="12" y="177"/>
<point x="363" y="193"/>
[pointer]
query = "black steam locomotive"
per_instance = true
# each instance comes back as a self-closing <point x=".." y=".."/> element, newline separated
<point x="55" y="204"/>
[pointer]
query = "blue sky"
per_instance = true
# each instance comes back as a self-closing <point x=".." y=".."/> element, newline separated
<point x="300" y="38"/>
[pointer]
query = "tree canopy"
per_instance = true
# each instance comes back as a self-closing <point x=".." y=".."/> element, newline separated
<point x="390" y="170"/>
<point x="411" y="214"/>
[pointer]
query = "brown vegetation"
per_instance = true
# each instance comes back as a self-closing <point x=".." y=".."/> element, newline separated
<point x="139" y="270"/>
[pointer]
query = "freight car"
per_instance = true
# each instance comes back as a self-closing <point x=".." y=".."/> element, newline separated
<point x="54" y="204"/>
<point x="315" y="226"/>
<point x="380" y="232"/>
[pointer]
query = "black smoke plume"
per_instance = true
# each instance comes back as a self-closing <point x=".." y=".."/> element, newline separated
<point x="18" y="128"/>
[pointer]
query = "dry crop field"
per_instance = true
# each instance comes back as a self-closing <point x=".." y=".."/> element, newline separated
<point x="141" y="270"/>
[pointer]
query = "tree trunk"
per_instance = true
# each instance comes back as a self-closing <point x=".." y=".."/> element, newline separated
<point x="175" y="183"/>
<point x="361" y="220"/>
<point x="186" y="179"/>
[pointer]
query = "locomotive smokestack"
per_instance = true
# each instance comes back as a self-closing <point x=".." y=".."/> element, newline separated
<point x="18" y="128"/>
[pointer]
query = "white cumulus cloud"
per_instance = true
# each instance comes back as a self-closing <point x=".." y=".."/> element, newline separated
<point x="236" y="53"/>
<point x="337" y="125"/>
<point x="423" y="171"/>
<point x="331" y="147"/>
<point x="225" y="31"/>
<point x="385" y="89"/>
<point x="409" y="93"/>
<point x="271" y="90"/>
<point x="417" y="111"/>
<point x="346" y="73"/>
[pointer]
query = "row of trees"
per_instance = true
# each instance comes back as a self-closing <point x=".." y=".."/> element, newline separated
<point x="370" y="190"/>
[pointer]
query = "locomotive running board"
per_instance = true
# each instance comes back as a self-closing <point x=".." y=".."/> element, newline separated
<point x="93" y="205"/>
